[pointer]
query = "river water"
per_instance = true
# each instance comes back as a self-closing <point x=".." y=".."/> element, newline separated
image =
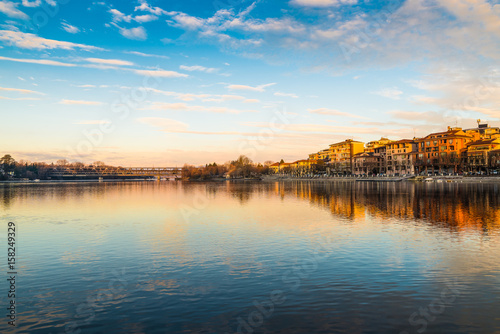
<point x="237" y="257"/>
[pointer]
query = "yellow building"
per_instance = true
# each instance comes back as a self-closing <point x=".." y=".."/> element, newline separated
<point x="340" y="156"/>
<point x="371" y="146"/>
<point x="483" y="131"/>
<point x="478" y="154"/>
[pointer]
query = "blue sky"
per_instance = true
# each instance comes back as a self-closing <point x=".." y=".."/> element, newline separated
<point x="168" y="82"/>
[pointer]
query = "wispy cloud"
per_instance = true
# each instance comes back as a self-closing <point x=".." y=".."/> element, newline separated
<point x="333" y="112"/>
<point x="80" y="102"/>
<point x="19" y="90"/>
<point x="390" y="93"/>
<point x="19" y="98"/>
<point x="10" y="9"/>
<point x="69" y="28"/>
<point x="161" y="73"/>
<point x="116" y="62"/>
<point x="146" y="54"/>
<point x="323" y="3"/>
<point x="38" y="61"/>
<point x="286" y="95"/>
<point x="260" y="88"/>
<point x="30" y="41"/>
<point x="198" y="68"/>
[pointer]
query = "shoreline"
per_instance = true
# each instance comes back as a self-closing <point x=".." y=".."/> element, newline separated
<point x="435" y="179"/>
<point x="267" y="178"/>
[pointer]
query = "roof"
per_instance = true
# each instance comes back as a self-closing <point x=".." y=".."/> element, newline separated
<point x="347" y="141"/>
<point x="275" y="164"/>
<point x="448" y="133"/>
<point x="402" y="141"/>
<point x="485" y="142"/>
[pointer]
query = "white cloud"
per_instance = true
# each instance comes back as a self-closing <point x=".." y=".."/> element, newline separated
<point x="145" y="54"/>
<point x="19" y="90"/>
<point x="286" y="95"/>
<point x="33" y="3"/>
<point x="390" y="93"/>
<point x="10" y="9"/>
<point x="31" y="41"/>
<point x="116" y="62"/>
<point x="333" y="112"/>
<point x="69" y="28"/>
<point x="322" y="3"/>
<point x="19" y="98"/>
<point x="51" y="2"/>
<point x="161" y="73"/>
<point x="119" y="16"/>
<point x="145" y="7"/>
<point x="198" y="68"/>
<point x="145" y="18"/>
<point x="80" y="102"/>
<point x="260" y="88"/>
<point x="38" y="61"/>
<point x="138" y="33"/>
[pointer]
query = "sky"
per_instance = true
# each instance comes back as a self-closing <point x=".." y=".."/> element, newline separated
<point x="164" y="83"/>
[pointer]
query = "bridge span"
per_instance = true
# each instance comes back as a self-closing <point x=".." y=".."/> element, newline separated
<point x="114" y="172"/>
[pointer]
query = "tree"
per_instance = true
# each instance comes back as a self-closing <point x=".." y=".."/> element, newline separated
<point x="62" y="162"/>
<point x="8" y="163"/>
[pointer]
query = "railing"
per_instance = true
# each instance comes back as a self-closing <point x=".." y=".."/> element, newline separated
<point x="62" y="171"/>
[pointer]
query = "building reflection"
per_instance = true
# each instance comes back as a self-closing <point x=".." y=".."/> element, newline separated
<point x="456" y="206"/>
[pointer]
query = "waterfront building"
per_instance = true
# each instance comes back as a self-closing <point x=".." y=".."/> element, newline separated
<point x="483" y="131"/>
<point x="401" y="157"/>
<point x="441" y="152"/>
<point x="371" y="146"/>
<point x="274" y="168"/>
<point x="340" y="156"/>
<point x="367" y="163"/>
<point x="494" y="160"/>
<point x="478" y="155"/>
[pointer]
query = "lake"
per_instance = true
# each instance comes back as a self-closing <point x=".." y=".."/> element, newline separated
<point x="253" y="257"/>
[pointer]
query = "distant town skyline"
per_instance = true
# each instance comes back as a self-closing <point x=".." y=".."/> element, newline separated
<point x="167" y="83"/>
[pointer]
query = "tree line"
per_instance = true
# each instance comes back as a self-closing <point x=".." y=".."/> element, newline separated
<point x="243" y="167"/>
<point x="23" y="169"/>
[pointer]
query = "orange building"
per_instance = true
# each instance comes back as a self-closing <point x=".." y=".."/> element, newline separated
<point x="440" y="152"/>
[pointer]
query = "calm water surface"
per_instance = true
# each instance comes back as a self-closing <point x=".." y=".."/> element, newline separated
<point x="293" y="257"/>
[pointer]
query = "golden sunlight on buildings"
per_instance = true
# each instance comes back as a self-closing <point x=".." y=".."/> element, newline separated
<point x="449" y="152"/>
